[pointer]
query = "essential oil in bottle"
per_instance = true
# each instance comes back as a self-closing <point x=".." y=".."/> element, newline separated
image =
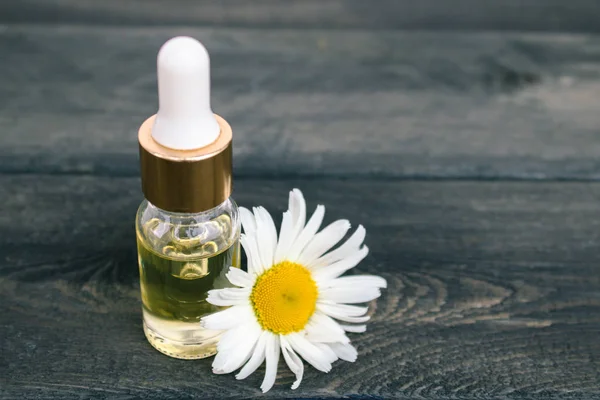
<point x="188" y="227"/>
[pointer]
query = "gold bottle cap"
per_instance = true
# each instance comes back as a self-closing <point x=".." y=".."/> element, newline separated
<point x="186" y="181"/>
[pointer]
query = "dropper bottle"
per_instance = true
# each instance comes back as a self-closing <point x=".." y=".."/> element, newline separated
<point x="188" y="226"/>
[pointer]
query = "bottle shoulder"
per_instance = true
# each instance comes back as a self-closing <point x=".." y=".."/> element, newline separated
<point x="185" y="236"/>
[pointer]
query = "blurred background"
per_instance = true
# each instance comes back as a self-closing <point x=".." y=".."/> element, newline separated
<point x="458" y="88"/>
<point x="518" y="15"/>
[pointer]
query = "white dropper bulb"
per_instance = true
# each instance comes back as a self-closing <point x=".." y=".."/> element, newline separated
<point x="184" y="120"/>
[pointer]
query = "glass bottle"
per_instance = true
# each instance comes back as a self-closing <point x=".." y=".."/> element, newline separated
<point x="181" y="257"/>
<point x="188" y="227"/>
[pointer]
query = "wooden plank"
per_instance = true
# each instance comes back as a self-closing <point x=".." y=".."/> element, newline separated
<point x="575" y="15"/>
<point x="493" y="292"/>
<point x="313" y="103"/>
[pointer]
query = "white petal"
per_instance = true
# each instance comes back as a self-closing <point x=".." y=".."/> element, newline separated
<point x="336" y="313"/>
<point x="354" y="328"/>
<point x="322" y="328"/>
<point x="350" y="296"/>
<point x="324" y="347"/>
<point x="216" y="300"/>
<point x="248" y="221"/>
<point x="272" y="356"/>
<point x="230" y="339"/>
<point x="350" y="246"/>
<point x="323" y="241"/>
<point x="269" y="227"/>
<point x="255" y="266"/>
<point x="285" y="237"/>
<point x="233" y="337"/>
<point x="292" y="360"/>
<point x="355" y="282"/>
<point x="351" y="311"/>
<point x="241" y="353"/>
<point x="257" y="358"/>
<point x="266" y="236"/>
<point x="297" y="213"/>
<point x="312" y="226"/>
<point x="229" y="296"/>
<point x="297" y="206"/>
<point x="229" y="318"/>
<point x="338" y="268"/>
<point x="239" y="277"/>
<point x="219" y="360"/>
<point x="231" y="293"/>
<point x="309" y="352"/>
<point x="237" y="349"/>
<point x="346" y="351"/>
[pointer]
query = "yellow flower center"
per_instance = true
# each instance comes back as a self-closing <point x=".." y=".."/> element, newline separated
<point x="284" y="298"/>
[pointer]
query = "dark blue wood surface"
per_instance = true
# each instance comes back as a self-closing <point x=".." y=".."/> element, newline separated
<point x="470" y="157"/>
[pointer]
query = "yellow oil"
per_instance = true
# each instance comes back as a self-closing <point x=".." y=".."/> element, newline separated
<point x="175" y="277"/>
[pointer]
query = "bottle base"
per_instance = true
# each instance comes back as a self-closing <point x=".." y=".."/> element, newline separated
<point x="195" y="342"/>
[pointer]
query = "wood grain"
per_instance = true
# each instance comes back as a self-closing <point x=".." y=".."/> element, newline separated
<point x="493" y="292"/>
<point x="313" y="103"/>
<point x="575" y="15"/>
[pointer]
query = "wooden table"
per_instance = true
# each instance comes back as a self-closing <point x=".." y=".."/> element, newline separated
<point x="471" y="159"/>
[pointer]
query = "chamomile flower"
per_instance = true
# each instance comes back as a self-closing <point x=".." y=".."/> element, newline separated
<point x="293" y="300"/>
